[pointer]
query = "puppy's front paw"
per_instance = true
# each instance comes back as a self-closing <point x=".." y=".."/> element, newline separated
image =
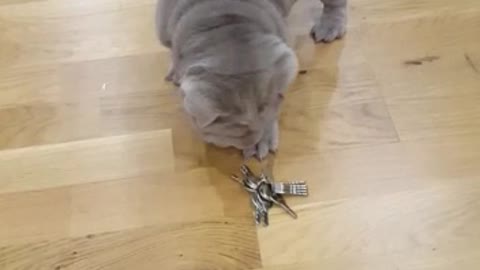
<point x="268" y="143"/>
<point x="260" y="150"/>
<point x="170" y="74"/>
<point x="331" y="26"/>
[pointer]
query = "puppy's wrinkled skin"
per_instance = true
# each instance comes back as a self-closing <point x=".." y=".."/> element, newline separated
<point x="232" y="64"/>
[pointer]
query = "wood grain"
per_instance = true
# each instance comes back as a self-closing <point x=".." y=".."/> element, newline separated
<point x="89" y="161"/>
<point x="116" y="205"/>
<point x="26" y="42"/>
<point x="378" y="11"/>
<point x="398" y="167"/>
<point x="213" y="244"/>
<point x="360" y="263"/>
<point x="100" y="168"/>
<point x="85" y="100"/>
<point x="434" y="221"/>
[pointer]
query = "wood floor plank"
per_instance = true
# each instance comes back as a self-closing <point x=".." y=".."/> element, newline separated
<point x="84" y="81"/>
<point x="422" y="104"/>
<point x="335" y="126"/>
<point x="416" y="119"/>
<point x="42" y="167"/>
<point x="468" y="260"/>
<point x="44" y="9"/>
<point x="382" y="169"/>
<point x="16" y="2"/>
<point x="379" y="11"/>
<point x="434" y="221"/>
<point x="31" y="41"/>
<point x="414" y="69"/>
<point x="221" y="243"/>
<point x="411" y="202"/>
<point x="69" y="102"/>
<point x="118" y="205"/>
<point x="348" y="84"/>
<point x="378" y="263"/>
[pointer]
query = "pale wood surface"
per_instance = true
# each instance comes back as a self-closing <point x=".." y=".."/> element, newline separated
<point x="99" y="168"/>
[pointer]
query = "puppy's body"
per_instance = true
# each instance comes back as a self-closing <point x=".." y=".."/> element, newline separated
<point x="232" y="63"/>
<point x="225" y="33"/>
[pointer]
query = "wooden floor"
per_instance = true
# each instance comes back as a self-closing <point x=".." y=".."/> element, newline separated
<point x="99" y="168"/>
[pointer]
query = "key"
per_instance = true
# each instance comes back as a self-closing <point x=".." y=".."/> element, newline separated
<point x="266" y="193"/>
<point x="245" y="170"/>
<point x="296" y="188"/>
<point x="280" y="201"/>
<point x="260" y="203"/>
<point x="247" y="184"/>
<point x="257" y="215"/>
<point x="249" y="178"/>
<point x="266" y="222"/>
<point x="261" y="209"/>
<point x="290" y="188"/>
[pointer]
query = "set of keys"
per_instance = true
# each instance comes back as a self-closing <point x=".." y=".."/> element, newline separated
<point x="265" y="193"/>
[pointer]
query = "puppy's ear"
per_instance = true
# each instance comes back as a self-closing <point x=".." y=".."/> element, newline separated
<point x="197" y="102"/>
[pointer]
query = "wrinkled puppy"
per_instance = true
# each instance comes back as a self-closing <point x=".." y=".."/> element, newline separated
<point x="231" y="61"/>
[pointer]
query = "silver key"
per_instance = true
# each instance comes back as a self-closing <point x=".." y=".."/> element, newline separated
<point x="280" y="201"/>
<point x="245" y="170"/>
<point x="248" y="184"/>
<point x="257" y="214"/>
<point x="265" y="191"/>
<point x="299" y="188"/>
<point x="248" y="181"/>
<point x="261" y="209"/>
<point x="257" y="211"/>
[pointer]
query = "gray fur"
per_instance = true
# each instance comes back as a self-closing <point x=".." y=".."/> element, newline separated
<point x="231" y="62"/>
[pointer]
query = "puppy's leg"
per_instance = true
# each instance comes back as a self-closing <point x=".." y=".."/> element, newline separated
<point x="163" y="10"/>
<point x="170" y="73"/>
<point x="268" y="143"/>
<point x="332" y="23"/>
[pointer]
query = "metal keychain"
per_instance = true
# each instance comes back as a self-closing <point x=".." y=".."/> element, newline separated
<point x="264" y="193"/>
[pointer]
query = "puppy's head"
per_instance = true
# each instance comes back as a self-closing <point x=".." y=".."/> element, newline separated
<point x="234" y="109"/>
